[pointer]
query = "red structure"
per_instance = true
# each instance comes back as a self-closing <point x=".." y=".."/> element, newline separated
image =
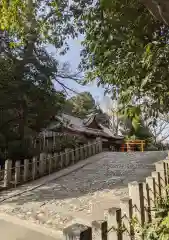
<point x="131" y="145"/>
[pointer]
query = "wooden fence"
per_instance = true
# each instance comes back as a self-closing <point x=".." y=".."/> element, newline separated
<point x="45" y="164"/>
<point x="118" y="222"/>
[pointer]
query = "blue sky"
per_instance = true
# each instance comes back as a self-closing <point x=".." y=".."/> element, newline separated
<point x="73" y="58"/>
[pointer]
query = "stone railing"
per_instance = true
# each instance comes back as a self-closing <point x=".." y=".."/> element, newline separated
<point x="118" y="223"/>
<point x="45" y="164"/>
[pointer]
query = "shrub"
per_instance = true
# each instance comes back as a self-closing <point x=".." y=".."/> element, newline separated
<point x="159" y="228"/>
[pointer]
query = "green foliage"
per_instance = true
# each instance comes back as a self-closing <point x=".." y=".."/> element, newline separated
<point x="159" y="228"/>
<point x="126" y="50"/>
<point x="133" y="126"/>
<point x="48" y="21"/>
<point x="81" y="105"/>
<point x="27" y="101"/>
<point x="28" y="98"/>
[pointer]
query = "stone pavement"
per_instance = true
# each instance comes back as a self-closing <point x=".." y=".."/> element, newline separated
<point x="82" y="195"/>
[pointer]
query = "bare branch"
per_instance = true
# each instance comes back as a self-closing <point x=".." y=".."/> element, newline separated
<point x="65" y="88"/>
<point x="159" y="9"/>
<point x="164" y="138"/>
<point x="72" y="77"/>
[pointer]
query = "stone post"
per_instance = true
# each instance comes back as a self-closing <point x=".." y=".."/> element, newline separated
<point x="67" y="157"/>
<point x="146" y="203"/>
<point x="113" y="218"/>
<point x="49" y="162"/>
<point x="99" y="230"/>
<point x="17" y="172"/>
<point x="97" y="144"/>
<point x="100" y="145"/>
<point x="152" y="194"/>
<point x="62" y="160"/>
<point x="94" y="148"/>
<point x="7" y="173"/>
<point x="85" y="151"/>
<point x="81" y="152"/>
<point x="77" y="232"/>
<point x="41" y="164"/>
<point x="127" y="211"/>
<point x="156" y="176"/>
<point x="136" y="194"/>
<point x="26" y="170"/>
<point x="55" y="161"/>
<point x="45" y="163"/>
<point x="77" y="156"/>
<point x="90" y="149"/>
<point x="72" y="156"/>
<point x="160" y="167"/>
<point x="34" y="168"/>
<point x="167" y="169"/>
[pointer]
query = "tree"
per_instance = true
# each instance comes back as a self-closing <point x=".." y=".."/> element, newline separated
<point x="111" y="107"/>
<point x="28" y="96"/>
<point x="126" y="50"/>
<point x="81" y="105"/>
<point x="159" y="129"/>
<point x="48" y="21"/>
<point x="26" y="27"/>
<point x="28" y="102"/>
<point x="140" y="132"/>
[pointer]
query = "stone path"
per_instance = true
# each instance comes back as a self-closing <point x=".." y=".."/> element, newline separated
<point x="83" y="195"/>
<point x="20" y="233"/>
<point x="12" y="228"/>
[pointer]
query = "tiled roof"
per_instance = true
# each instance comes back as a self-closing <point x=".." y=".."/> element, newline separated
<point x="79" y="125"/>
<point x="109" y="132"/>
<point x="71" y="120"/>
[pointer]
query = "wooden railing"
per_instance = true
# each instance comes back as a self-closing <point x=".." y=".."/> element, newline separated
<point x="45" y="164"/>
<point x="118" y="223"/>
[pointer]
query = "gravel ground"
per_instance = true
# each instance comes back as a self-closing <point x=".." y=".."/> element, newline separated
<point x="83" y="195"/>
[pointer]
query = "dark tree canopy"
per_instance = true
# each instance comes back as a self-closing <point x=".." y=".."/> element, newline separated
<point x="28" y="99"/>
<point x="27" y="72"/>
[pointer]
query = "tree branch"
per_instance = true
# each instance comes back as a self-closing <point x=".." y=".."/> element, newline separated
<point x="65" y="88"/>
<point x="159" y="9"/>
<point x="74" y="77"/>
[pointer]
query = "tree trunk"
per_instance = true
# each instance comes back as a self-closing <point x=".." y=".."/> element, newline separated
<point x="159" y="9"/>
